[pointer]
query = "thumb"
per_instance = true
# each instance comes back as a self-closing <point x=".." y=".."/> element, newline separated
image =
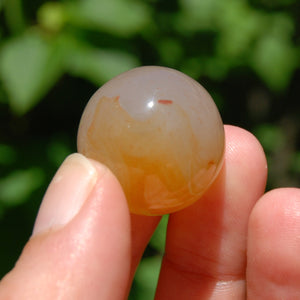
<point x="80" y="247"/>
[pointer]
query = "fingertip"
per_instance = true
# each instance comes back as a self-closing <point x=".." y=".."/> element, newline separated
<point x="277" y="212"/>
<point x="242" y="143"/>
<point x="275" y="204"/>
<point x="274" y="244"/>
<point x="67" y="192"/>
<point x="112" y="191"/>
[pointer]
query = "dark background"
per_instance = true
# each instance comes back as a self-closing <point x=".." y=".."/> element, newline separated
<point x="55" y="54"/>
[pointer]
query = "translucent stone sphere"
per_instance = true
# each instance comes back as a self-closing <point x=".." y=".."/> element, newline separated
<point x="160" y="133"/>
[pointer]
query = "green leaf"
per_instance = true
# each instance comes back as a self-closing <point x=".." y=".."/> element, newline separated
<point x="57" y="151"/>
<point x="13" y="15"/>
<point x="216" y="67"/>
<point x="158" y="239"/>
<point x="195" y="15"/>
<point x="146" y="278"/>
<point x="192" y="67"/>
<point x="239" y="25"/>
<point x="51" y="16"/>
<point x="270" y="136"/>
<point x="120" y="17"/>
<point x="275" y="56"/>
<point x="275" y="60"/>
<point x="29" y="66"/>
<point x="7" y="154"/>
<point x="171" y="51"/>
<point x="98" y="65"/>
<point x="295" y="162"/>
<point x="18" y="185"/>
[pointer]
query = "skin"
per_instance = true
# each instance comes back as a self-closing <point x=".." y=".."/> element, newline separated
<point x="234" y="243"/>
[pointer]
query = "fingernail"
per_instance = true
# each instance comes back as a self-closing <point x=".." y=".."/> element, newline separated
<point x="66" y="193"/>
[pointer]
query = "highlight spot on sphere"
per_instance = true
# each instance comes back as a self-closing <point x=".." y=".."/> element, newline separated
<point x="160" y="133"/>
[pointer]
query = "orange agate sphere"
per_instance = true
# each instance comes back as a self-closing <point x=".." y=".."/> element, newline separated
<point x="159" y="132"/>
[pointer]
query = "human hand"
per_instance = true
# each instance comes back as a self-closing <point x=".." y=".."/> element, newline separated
<point x="235" y="243"/>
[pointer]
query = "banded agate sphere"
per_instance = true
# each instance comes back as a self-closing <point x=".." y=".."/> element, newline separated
<point x="159" y="132"/>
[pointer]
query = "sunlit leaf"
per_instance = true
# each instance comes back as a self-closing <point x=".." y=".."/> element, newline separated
<point x="121" y="17"/>
<point x="274" y="56"/>
<point x="51" y="16"/>
<point x="238" y="26"/>
<point x="274" y="60"/>
<point x="99" y="65"/>
<point x="18" y="185"/>
<point x="195" y="15"/>
<point x="29" y="66"/>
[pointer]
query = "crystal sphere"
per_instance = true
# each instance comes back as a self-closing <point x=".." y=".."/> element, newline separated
<point x="159" y="132"/>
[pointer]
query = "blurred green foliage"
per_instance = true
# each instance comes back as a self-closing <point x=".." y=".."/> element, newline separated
<point x="54" y="54"/>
